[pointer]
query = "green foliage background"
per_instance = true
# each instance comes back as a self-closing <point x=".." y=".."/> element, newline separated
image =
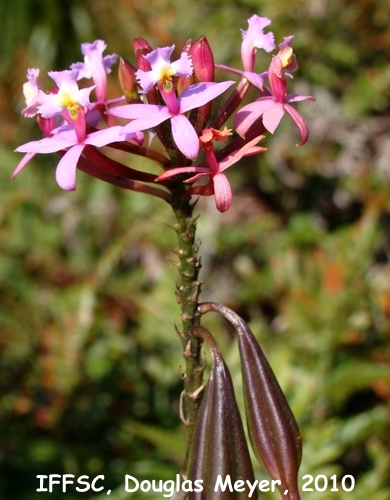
<point x="90" y="363"/>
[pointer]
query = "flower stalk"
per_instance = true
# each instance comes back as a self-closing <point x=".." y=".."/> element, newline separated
<point x="187" y="295"/>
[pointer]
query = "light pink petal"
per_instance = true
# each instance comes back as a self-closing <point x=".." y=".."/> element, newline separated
<point x="256" y="79"/>
<point x="196" y="177"/>
<point x="68" y="77"/>
<point x="161" y="53"/>
<point x="48" y="105"/>
<point x="299" y="122"/>
<point x="272" y="117"/>
<point x="147" y="122"/>
<point x="66" y="169"/>
<point x="144" y="116"/>
<point x="158" y="59"/>
<point x="106" y="136"/>
<point x="23" y="162"/>
<point x="83" y="95"/>
<point x="247" y="115"/>
<point x="135" y="111"/>
<point x="182" y="170"/>
<point x="47" y="145"/>
<point x="30" y="111"/>
<point x="255" y="33"/>
<point x="254" y="37"/>
<point x="248" y="149"/>
<point x="200" y="93"/>
<point x="183" y="66"/>
<point x="95" y="66"/>
<point x="146" y="79"/>
<point x="297" y="98"/>
<point x="114" y="134"/>
<point x="223" y="192"/>
<point x="185" y="137"/>
<point x="109" y="61"/>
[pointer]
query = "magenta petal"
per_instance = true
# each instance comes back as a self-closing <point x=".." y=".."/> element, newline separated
<point x="104" y="137"/>
<point x="122" y="111"/>
<point x="135" y="111"/>
<point x="66" y="169"/>
<point x="200" y="93"/>
<point x="256" y="79"/>
<point x="272" y="117"/>
<point x="223" y="192"/>
<point x="46" y="145"/>
<point x="247" y="115"/>
<point x="297" y="98"/>
<point x="146" y="79"/>
<point x="248" y="149"/>
<point x="151" y="118"/>
<point x="276" y="79"/>
<point x="23" y="162"/>
<point x="182" y="170"/>
<point x="186" y="139"/>
<point x="299" y="122"/>
<point x="255" y="37"/>
<point x="183" y="66"/>
<point x="160" y="54"/>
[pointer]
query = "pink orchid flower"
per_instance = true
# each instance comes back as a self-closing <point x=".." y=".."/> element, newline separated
<point x="31" y="92"/>
<point x="254" y="38"/>
<point x="95" y="66"/>
<point x="66" y="139"/>
<point x="218" y="183"/>
<point x="69" y="102"/>
<point x="147" y="116"/>
<point x="272" y="107"/>
<point x="162" y="69"/>
<point x="68" y="97"/>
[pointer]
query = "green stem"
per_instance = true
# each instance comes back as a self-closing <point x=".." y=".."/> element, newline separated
<point x="188" y="290"/>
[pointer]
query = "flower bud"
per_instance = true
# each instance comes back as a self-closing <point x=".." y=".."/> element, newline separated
<point x="204" y="71"/>
<point x="127" y="80"/>
<point x="273" y="431"/>
<point x="46" y="125"/>
<point x="183" y="82"/>
<point x="219" y="446"/>
<point x="203" y="60"/>
<point x="141" y="44"/>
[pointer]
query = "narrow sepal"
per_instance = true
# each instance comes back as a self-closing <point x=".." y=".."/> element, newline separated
<point x="273" y="430"/>
<point x="127" y="80"/>
<point x="203" y="60"/>
<point x="204" y="71"/>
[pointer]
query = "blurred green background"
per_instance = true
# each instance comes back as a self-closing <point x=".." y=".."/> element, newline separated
<point x="90" y="362"/>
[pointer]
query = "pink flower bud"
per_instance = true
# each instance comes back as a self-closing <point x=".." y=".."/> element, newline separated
<point x="203" y="60"/>
<point x="141" y="44"/>
<point x="127" y="80"/>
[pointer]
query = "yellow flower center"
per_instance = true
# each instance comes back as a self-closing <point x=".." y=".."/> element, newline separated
<point x="68" y="97"/>
<point x="286" y="56"/>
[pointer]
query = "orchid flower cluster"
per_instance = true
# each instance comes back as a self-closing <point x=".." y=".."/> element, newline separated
<point x="174" y="112"/>
<point x="168" y="106"/>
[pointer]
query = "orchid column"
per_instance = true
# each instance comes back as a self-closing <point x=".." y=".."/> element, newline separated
<point x="177" y="119"/>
